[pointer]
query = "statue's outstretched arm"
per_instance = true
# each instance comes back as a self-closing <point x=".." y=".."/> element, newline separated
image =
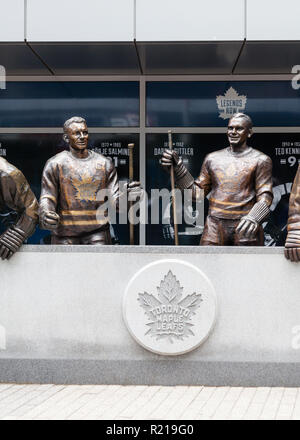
<point x="18" y="196"/>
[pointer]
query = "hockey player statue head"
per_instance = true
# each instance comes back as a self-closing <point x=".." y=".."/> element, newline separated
<point x="239" y="130"/>
<point x="76" y="135"/>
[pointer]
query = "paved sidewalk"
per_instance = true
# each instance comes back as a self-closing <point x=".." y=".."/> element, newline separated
<point x="108" y="402"/>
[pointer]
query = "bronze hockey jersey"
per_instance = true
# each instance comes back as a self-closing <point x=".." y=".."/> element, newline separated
<point x="70" y="187"/>
<point x="294" y="205"/>
<point x="235" y="181"/>
<point x="15" y="193"/>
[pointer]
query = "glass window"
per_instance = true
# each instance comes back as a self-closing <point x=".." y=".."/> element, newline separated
<point x="283" y="148"/>
<point x="29" y="153"/>
<point x="50" y="104"/>
<point x="211" y="103"/>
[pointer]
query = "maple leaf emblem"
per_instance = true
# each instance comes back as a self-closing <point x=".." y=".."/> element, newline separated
<point x="86" y="188"/>
<point x="229" y="179"/>
<point x="230" y="103"/>
<point x="169" y="314"/>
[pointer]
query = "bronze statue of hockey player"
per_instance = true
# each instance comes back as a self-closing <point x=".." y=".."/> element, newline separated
<point x="16" y="194"/>
<point x="239" y="181"/>
<point x="292" y="244"/>
<point x="70" y="183"/>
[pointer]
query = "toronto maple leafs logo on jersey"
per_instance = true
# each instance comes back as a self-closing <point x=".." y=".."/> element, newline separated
<point x="229" y="178"/>
<point x="86" y="188"/>
<point x="169" y="314"/>
<point x="231" y="103"/>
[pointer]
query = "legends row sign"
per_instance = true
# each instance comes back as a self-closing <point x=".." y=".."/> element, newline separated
<point x="169" y="307"/>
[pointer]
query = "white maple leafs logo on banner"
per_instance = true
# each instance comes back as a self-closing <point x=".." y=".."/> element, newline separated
<point x="170" y="315"/>
<point x="230" y="103"/>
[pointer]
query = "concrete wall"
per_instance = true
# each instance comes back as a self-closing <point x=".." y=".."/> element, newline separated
<point x="12" y="20"/>
<point x="273" y="20"/>
<point x="61" y="318"/>
<point x="168" y="20"/>
<point x="91" y="20"/>
<point x="191" y="20"/>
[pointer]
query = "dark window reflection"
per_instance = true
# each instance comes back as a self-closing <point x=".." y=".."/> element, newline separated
<point x="205" y="103"/>
<point x="49" y="104"/>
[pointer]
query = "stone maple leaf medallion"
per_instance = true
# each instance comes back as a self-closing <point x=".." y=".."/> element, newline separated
<point x="170" y="314"/>
<point x="169" y="307"/>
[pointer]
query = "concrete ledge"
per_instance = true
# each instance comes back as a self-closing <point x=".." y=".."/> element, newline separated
<point x="61" y="318"/>
<point x="155" y="249"/>
<point x="244" y="374"/>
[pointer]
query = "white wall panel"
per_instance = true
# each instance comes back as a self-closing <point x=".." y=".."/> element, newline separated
<point x="11" y="20"/>
<point x="78" y="20"/>
<point x="65" y="302"/>
<point x="273" y="20"/>
<point x="190" y="20"/>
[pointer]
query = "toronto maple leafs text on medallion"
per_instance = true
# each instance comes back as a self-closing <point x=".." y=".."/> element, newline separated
<point x="169" y="314"/>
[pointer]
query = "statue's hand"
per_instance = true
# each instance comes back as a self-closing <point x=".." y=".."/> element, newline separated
<point x="247" y="227"/>
<point x="249" y="224"/>
<point x="169" y="158"/>
<point x="134" y="190"/>
<point x="49" y="220"/>
<point x="10" y="242"/>
<point x="5" y="252"/>
<point x="292" y="246"/>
